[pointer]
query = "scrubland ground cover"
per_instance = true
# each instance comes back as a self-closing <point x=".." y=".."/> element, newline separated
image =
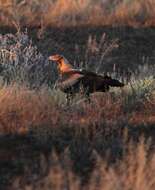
<point x="46" y="144"/>
<point x="106" y="144"/>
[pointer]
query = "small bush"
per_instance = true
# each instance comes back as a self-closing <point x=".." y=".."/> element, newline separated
<point x="139" y="92"/>
<point x="21" y="62"/>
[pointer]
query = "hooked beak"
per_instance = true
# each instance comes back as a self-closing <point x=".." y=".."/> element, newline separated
<point x="51" y="58"/>
<point x="54" y="58"/>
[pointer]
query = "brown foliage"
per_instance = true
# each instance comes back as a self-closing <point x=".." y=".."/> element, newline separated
<point x="66" y="13"/>
<point x="22" y="108"/>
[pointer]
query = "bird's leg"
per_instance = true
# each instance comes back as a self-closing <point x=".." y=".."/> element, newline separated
<point x="69" y="98"/>
<point x="88" y="97"/>
<point x="85" y="93"/>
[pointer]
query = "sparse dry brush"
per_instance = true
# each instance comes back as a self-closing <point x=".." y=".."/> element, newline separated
<point x="134" y="171"/>
<point x="95" y="146"/>
<point x="22" y="108"/>
<point x="76" y="12"/>
<point x="21" y="62"/>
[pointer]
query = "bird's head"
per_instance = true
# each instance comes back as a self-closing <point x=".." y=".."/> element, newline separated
<point x="55" y="58"/>
<point x="63" y="64"/>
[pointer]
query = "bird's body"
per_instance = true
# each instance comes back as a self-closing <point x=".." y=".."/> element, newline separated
<point x="74" y="81"/>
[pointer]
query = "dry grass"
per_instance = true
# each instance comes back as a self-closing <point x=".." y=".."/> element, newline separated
<point x="134" y="171"/>
<point x="71" y="13"/>
<point x="91" y="141"/>
<point x="22" y="108"/>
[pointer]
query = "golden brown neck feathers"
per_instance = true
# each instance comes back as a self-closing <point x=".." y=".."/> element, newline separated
<point x="64" y="66"/>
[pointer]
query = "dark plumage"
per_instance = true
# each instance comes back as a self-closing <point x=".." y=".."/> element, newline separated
<point x="73" y="81"/>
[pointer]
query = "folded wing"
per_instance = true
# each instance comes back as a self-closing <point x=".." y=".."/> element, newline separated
<point x="73" y="80"/>
<point x="70" y="82"/>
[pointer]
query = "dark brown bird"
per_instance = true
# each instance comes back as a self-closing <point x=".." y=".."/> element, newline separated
<point x="73" y="81"/>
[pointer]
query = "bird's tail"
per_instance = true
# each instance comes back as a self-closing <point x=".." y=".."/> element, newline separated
<point x="113" y="82"/>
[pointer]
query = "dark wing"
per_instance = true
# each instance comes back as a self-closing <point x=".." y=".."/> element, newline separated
<point x="94" y="82"/>
<point x="90" y="81"/>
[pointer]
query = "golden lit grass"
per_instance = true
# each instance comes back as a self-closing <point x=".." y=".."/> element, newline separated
<point x="45" y="114"/>
<point x="136" y="12"/>
<point x="77" y="12"/>
<point x="134" y="171"/>
<point x="22" y="109"/>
